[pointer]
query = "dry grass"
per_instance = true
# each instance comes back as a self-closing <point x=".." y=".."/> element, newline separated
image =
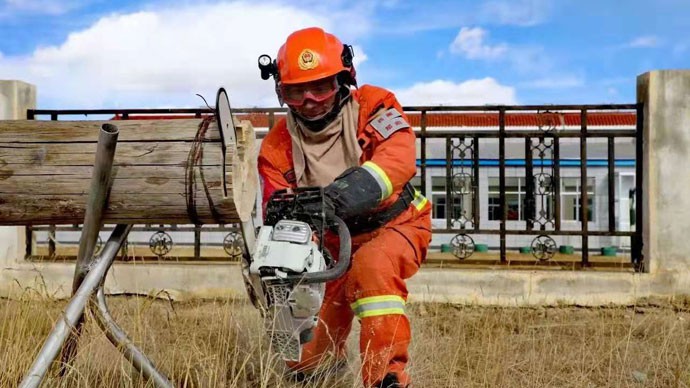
<point x="219" y="344"/>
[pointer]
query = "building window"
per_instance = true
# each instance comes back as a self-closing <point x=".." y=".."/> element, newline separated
<point x="515" y="196"/>
<point x="462" y="204"/>
<point x="571" y="200"/>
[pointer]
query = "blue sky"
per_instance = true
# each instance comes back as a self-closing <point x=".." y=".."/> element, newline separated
<point x="97" y="53"/>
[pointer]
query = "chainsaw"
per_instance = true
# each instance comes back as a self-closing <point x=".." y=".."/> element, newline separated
<point x="285" y="265"/>
<point x="288" y="266"/>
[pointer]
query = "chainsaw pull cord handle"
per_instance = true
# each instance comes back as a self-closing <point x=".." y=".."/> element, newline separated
<point x="340" y="267"/>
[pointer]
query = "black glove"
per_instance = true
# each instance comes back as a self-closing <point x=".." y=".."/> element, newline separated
<point x="354" y="193"/>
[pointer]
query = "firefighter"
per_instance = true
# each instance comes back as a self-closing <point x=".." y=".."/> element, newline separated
<point x="359" y="146"/>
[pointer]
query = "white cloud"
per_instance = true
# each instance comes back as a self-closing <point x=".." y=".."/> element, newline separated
<point x="647" y="41"/>
<point x="472" y="92"/>
<point x="516" y="12"/>
<point x="164" y="56"/>
<point x="470" y="43"/>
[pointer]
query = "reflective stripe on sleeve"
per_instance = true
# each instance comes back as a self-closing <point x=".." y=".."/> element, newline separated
<point x="381" y="178"/>
<point x="419" y="200"/>
<point x="378" y="305"/>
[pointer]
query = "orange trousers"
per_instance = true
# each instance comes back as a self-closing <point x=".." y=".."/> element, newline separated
<point x="374" y="290"/>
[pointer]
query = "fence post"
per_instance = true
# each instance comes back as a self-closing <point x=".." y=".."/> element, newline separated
<point x="665" y="184"/>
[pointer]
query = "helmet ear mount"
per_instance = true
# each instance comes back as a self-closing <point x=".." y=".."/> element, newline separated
<point x="347" y="59"/>
<point x="267" y="67"/>
<point x="347" y="55"/>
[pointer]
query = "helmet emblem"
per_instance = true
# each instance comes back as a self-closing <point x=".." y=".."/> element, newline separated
<point x="308" y="60"/>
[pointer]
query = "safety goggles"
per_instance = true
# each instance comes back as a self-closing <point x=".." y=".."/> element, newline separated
<point x="317" y="91"/>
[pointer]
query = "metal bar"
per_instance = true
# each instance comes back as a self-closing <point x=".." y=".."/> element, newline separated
<point x="476" y="214"/>
<point x="489" y="108"/>
<point x="639" y="260"/>
<point x="473" y="108"/>
<point x="584" y="221"/>
<point x="530" y="201"/>
<point x="469" y="230"/>
<point x="490" y="133"/>
<point x="520" y="232"/>
<point x="423" y="152"/>
<point x="29" y="244"/>
<point x="51" y="241"/>
<point x="197" y="242"/>
<point x="611" y="182"/>
<point x="129" y="350"/>
<point x="449" y="180"/>
<point x="271" y="119"/>
<point x="556" y="184"/>
<point x="140" y="229"/>
<point x="93" y="219"/>
<point x="502" y="179"/>
<point x="75" y="309"/>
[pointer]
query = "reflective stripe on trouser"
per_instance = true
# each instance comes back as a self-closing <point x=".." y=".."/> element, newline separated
<point x="374" y="284"/>
<point x="378" y="305"/>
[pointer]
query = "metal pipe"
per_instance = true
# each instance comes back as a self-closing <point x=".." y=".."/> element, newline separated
<point x="98" y="193"/>
<point x="75" y="308"/>
<point x="119" y="338"/>
<point x="98" y="196"/>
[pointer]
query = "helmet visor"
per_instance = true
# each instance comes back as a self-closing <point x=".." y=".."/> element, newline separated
<point x="318" y="91"/>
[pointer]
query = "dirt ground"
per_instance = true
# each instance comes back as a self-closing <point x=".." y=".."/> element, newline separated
<point x="220" y="344"/>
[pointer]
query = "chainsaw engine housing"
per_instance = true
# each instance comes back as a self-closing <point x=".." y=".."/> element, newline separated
<point x="290" y="308"/>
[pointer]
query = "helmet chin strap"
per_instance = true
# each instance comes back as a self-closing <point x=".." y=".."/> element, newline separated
<point x="319" y="123"/>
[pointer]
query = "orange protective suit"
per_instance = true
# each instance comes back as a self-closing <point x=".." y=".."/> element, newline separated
<point x="374" y="288"/>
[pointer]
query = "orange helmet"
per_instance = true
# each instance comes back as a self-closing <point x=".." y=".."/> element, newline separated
<point x="309" y="55"/>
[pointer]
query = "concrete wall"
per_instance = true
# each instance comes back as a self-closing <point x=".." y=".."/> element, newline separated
<point x="15" y="98"/>
<point x="666" y="209"/>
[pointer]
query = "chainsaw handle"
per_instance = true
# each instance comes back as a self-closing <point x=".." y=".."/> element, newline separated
<point x="340" y="267"/>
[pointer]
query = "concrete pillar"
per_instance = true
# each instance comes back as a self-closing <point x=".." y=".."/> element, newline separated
<point x="666" y="205"/>
<point x="15" y="98"/>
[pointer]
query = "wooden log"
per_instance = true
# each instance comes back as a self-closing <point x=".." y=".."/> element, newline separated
<point x="163" y="172"/>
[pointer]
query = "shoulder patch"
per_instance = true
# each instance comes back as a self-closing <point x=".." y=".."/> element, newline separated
<point x="389" y="122"/>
